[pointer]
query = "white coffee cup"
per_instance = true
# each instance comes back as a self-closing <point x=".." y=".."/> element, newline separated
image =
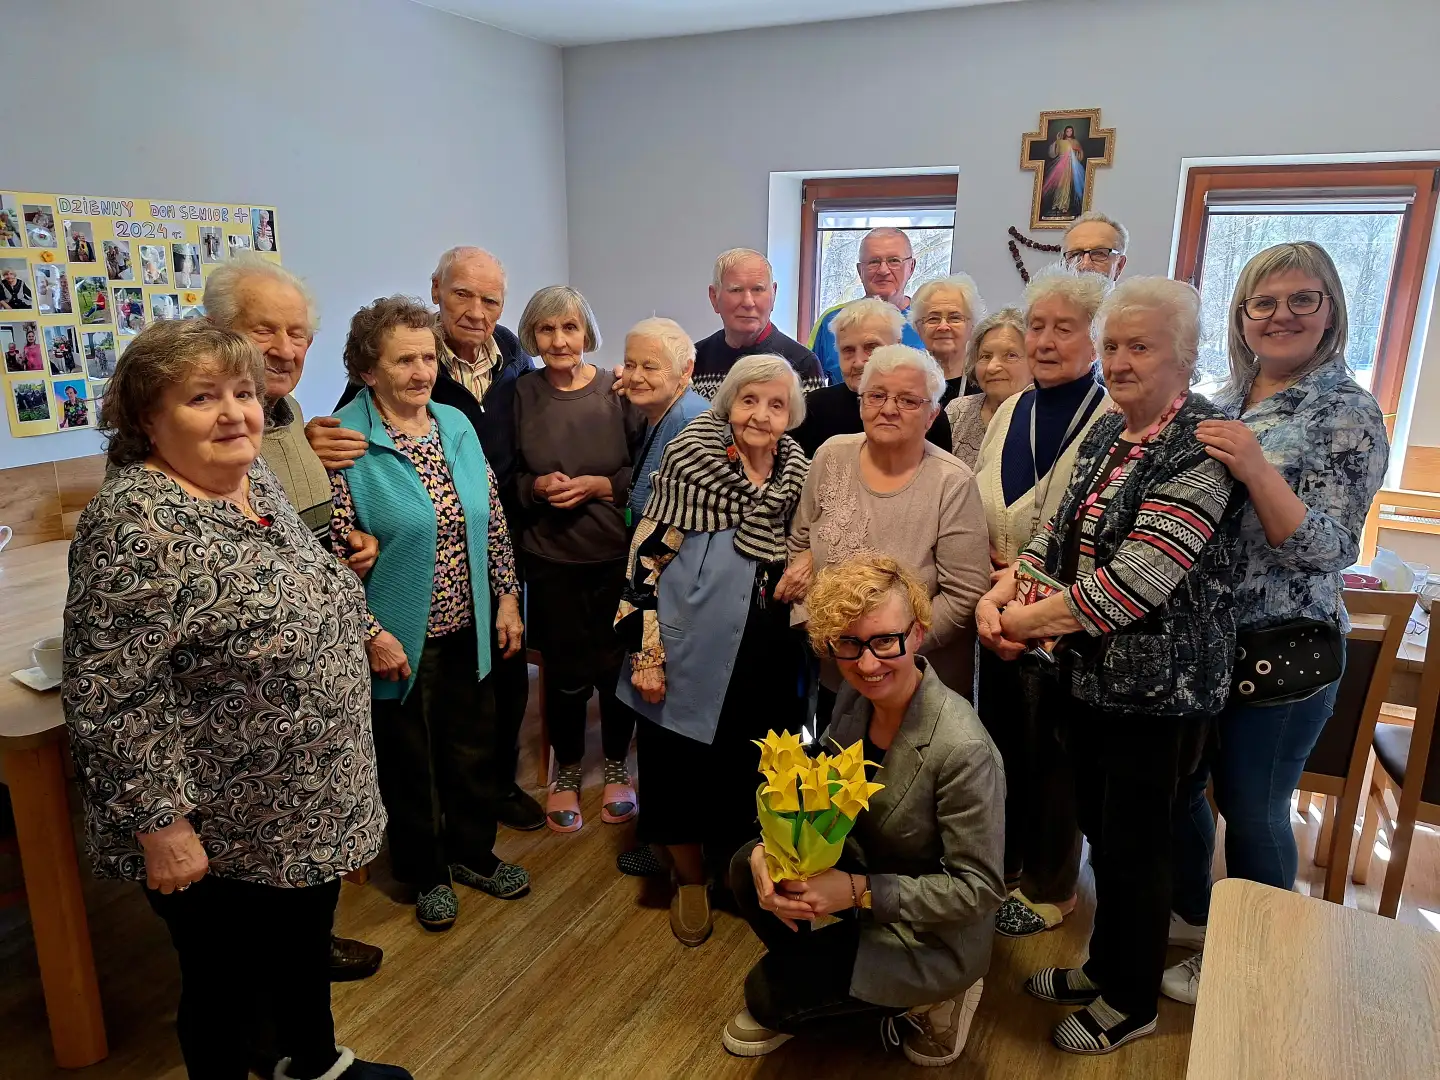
<point x="5" y="534"/>
<point x="49" y="656"/>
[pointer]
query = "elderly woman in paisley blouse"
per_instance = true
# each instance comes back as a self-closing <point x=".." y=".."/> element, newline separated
<point x="996" y="361"/>
<point x="1310" y="446"/>
<point x="423" y="488"/>
<point x="218" y="704"/>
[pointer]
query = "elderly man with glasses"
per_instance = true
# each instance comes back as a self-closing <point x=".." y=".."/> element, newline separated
<point x="1095" y="244"/>
<point x="886" y="263"/>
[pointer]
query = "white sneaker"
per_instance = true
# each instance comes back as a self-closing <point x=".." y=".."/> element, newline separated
<point x="938" y="1032"/>
<point x="745" y="1037"/>
<point x="1186" y="934"/>
<point x="1182" y="982"/>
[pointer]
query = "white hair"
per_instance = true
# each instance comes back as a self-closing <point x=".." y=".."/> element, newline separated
<point x="1106" y="219"/>
<point x="883" y="231"/>
<point x="1176" y="302"/>
<point x="858" y="312"/>
<point x="890" y="358"/>
<point x="678" y="347"/>
<point x="964" y="284"/>
<point x="729" y="260"/>
<point x="456" y="254"/>
<point x="760" y="367"/>
<point x="222" y="289"/>
<point x="1086" y="291"/>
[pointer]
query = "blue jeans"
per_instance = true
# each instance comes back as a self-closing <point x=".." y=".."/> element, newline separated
<point x="1257" y="760"/>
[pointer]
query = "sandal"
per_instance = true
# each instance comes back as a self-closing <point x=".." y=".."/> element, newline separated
<point x="562" y="805"/>
<point x="618" y="803"/>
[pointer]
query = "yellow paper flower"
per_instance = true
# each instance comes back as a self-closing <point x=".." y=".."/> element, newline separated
<point x="850" y="762"/>
<point x="780" y="791"/>
<point x="47" y="256"/>
<point x="854" y="796"/>
<point x="780" y="753"/>
<point x="815" y="786"/>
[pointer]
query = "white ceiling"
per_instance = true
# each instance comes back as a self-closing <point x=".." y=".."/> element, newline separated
<point x="587" y="22"/>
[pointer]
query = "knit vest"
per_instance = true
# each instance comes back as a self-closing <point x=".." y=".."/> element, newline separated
<point x="391" y="504"/>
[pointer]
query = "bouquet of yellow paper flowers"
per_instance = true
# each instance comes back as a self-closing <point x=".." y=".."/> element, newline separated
<point x="808" y="805"/>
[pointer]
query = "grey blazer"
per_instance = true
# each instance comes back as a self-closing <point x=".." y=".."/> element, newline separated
<point x="933" y="844"/>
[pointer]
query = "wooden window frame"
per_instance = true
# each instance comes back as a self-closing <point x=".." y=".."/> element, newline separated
<point x="878" y="190"/>
<point x="1412" y="245"/>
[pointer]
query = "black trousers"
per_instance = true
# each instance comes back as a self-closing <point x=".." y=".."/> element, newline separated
<point x="510" y="681"/>
<point x="252" y="957"/>
<point x="1127" y="769"/>
<point x="435" y="756"/>
<point x="802" y="983"/>
<point x="1024" y="711"/>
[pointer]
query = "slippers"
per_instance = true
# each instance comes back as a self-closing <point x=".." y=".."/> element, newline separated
<point x="1020" y="917"/>
<point x="562" y="811"/>
<point x="618" y="804"/>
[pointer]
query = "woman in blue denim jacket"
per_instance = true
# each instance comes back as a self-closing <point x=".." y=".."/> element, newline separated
<point x="1310" y="445"/>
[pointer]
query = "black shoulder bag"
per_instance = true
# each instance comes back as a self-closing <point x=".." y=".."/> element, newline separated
<point x="1286" y="662"/>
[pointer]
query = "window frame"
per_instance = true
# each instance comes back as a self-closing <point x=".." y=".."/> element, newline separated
<point x="856" y="192"/>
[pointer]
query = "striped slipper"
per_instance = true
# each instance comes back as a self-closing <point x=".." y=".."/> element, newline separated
<point x="1063" y="986"/>
<point x="1099" y="1029"/>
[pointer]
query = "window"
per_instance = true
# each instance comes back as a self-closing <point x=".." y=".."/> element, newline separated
<point x="839" y="212"/>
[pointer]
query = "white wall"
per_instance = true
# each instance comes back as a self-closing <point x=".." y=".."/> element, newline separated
<point x="670" y="144"/>
<point x="383" y="132"/>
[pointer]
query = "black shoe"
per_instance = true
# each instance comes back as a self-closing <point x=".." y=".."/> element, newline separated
<point x="351" y="960"/>
<point x="348" y="1067"/>
<point x="520" y="811"/>
<point x="641" y="862"/>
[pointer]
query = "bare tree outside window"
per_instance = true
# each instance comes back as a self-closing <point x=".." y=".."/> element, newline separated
<point x="931" y="233"/>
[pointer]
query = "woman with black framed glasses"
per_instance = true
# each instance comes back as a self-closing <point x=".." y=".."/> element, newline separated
<point x="1310" y="445"/>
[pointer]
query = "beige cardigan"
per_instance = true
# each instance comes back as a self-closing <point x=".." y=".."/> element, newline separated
<point x="1010" y="525"/>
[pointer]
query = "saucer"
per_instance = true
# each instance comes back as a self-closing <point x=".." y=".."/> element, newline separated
<point x="35" y="678"/>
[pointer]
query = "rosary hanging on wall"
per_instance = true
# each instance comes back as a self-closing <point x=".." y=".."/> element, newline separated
<point x="1033" y="245"/>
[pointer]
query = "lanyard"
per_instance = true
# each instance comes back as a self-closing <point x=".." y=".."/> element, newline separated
<point x="1075" y="421"/>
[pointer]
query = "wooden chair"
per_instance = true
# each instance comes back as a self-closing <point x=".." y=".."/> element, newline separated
<point x="1402" y="511"/>
<point x="1336" y="767"/>
<point x="1407" y="765"/>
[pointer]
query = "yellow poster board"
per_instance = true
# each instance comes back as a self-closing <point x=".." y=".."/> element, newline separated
<point x="81" y="275"/>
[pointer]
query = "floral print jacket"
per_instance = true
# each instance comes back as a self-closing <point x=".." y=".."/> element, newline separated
<point x="1327" y="437"/>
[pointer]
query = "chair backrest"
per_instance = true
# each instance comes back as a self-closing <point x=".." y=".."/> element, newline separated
<point x="1424" y="747"/>
<point x="1378" y="627"/>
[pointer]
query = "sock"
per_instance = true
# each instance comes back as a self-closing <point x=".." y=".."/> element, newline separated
<point x="1076" y="979"/>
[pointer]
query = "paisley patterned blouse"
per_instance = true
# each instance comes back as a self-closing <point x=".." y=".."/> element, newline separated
<point x="1327" y="437"/>
<point x="215" y="668"/>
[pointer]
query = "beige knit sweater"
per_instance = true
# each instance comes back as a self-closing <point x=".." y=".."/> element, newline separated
<point x="299" y="471"/>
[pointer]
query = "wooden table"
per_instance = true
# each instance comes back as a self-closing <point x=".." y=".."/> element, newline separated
<point x="1296" y="987"/>
<point x="32" y="597"/>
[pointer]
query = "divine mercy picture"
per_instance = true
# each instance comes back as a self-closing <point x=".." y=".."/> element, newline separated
<point x="1063" y="153"/>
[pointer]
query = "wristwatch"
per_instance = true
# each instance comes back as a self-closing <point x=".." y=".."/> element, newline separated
<point x="866" y="901"/>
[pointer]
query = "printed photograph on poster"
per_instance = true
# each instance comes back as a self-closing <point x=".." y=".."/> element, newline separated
<point x="130" y="310"/>
<point x="99" y="353"/>
<point x="52" y="289"/>
<point x="32" y="403"/>
<point x="154" y="270"/>
<point x="191" y="311"/>
<point x="238" y="243"/>
<point x="117" y="260"/>
<point x="262" y="228"/>
<point x="94" y="301"/>
<point x="212" y="244"/>
<point x="11" y="234"/>
<point x="15" y="291"/>
<point x="186" y="260"/>
<point x="70" y="395"/>
<point x="64" y="350"/>
<point x="40" y="224"/>
<point x="80" y="241"/>
<point x="164" y="306"/>
<point x="20" y="342"/>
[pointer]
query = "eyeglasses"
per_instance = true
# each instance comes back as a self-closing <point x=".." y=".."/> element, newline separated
<point x="1304" y="302"/>
<point x="875" y="399"/>
<point x="881" y="646"/>
<point x="894" y="262"/>
<point x="954" y="318"/>
<point x="1101" y="256"/>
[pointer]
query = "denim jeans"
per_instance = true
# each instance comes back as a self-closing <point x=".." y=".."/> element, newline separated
<point x="1256" y="760"/>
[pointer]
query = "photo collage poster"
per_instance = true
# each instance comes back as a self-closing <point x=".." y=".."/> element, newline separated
<point x="81" y="275"/>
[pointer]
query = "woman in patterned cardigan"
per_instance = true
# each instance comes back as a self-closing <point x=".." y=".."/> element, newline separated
<point x="1142" y="544"/>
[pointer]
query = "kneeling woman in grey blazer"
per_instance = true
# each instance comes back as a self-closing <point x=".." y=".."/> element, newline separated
<point x="921" y="877"/>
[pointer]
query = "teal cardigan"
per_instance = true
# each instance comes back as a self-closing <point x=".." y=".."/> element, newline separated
<point x="391" y="504"/>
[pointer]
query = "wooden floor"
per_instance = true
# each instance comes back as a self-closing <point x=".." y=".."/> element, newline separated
<point x="582" y="978"/>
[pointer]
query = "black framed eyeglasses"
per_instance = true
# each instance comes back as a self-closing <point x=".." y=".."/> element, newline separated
<point x="881" y="646"/>
<point x="1304" y="302"/>
<point x="1101" y="256"/>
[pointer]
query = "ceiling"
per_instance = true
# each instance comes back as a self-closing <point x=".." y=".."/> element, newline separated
<point x="587" y="22"/>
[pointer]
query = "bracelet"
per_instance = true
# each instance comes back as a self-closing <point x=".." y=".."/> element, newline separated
<point x="854" y="900"/>
<point x="647" y="659"/>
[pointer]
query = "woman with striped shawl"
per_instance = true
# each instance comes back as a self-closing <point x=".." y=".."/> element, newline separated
<point x="705" y="616"/>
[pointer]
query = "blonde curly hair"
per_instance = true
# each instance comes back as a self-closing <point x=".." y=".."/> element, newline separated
<point x="851" y="590"/>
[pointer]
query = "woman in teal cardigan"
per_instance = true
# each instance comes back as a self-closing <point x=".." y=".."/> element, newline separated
<point x="423" y="488"/>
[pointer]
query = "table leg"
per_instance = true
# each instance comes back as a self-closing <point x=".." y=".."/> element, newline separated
<point x="57" y="910"/>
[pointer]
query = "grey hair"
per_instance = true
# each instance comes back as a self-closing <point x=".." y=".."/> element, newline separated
<point x="672" y="338"/>
<point x="1086" y="291"/>
<point x="455" y="254"/>
<point x="964" y="284"/>
<point x="858" y="312"/>
<point x="886" y="230"/>
<point x="222" y="289"/>
<point x="890" y="358"/>
<point x="1009" y="318"/>
<point x="550" y="303"/>
<point x="1310" y="259"/>
<point x="761" y="367"/>
<point x="729" y="260"/>
<point x="1106" y="219"/>
<point x="1176" y="302"/>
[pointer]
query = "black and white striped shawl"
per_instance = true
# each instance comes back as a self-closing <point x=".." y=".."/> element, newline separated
<point x="702" y="487"/>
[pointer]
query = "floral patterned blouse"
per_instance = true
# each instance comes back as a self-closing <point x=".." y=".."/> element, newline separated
<point x="451" y="608"/>
<point x="1327" y="437"/>
<point x="967" y="427"/>
<point x="215" y="668"/>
